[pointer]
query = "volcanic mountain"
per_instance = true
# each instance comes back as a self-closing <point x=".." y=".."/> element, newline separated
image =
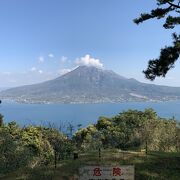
<point x="88" y="84"/>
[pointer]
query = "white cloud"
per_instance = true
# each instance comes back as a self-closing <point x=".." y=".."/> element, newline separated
<point x="33" y="69"/>
<point x="41" y="59"/>
<point x="63" y="59"/>
<point x="87" y="60"/>
<point x="40" y="71"/>
<point x="51" y="55"/>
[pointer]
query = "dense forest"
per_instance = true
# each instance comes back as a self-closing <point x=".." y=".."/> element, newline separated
<point x="36" y="146"/>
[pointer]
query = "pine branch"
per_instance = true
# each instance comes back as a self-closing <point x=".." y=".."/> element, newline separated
<point x="159" y="13"/>
<point x="173" y="5"/>
<point x="166" y="60"/>
<point x="171" y="22"/>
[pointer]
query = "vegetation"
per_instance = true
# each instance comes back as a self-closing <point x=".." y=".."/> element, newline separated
<point x="34" y="152"/>
<point x="132" y="129"/>
<point x="168" y="9"/>
<point x="30" y="146"/>
<point x="154" y="166"/>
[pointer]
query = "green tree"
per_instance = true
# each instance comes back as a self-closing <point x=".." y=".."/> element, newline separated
<point x="103" y="123"/>
<point x="131" y="129"/>
<point x="34" y="139"/>
<point x="1" y="120"/>
<point x="62" y="146"/>
<point x="178" y="138"/>
<point x="14" y="130"/>
<point x="170" y="10"/>
<point x="12" y="154"/>
<point x="88" y="138"/>
<point x="129" y="125"/>
<point x="105" y="126"/>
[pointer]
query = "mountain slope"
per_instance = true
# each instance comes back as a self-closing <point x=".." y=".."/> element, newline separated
<point x="90" y="85"/>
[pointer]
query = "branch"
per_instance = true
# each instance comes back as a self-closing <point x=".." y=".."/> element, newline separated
<point x="174" y="5"/>
<point x="168" y="56"/>
<point x="155" y="13"/>
<point x="171" y="22"/>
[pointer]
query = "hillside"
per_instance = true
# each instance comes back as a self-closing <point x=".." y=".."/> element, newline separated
<point x="90" y="85"/>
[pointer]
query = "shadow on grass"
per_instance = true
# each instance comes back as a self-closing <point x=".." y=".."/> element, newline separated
<point x="158" y="166"/>
<point x="155" y="166"/>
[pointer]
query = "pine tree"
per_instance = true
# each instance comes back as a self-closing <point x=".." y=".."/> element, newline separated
<point x="170" y="11"/>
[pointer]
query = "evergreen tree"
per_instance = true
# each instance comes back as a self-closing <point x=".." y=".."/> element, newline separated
<point x="170" y="11"/>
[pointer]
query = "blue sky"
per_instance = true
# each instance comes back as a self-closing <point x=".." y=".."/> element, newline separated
<point x="42" y="39"/>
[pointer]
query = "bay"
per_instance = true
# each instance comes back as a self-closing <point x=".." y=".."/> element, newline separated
<point x="62" y="114"/>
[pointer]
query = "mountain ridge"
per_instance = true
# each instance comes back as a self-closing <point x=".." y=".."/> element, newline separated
<point x="90" y="85"/>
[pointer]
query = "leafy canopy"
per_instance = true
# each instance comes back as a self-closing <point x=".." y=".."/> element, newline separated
<point x="170" y="11"/>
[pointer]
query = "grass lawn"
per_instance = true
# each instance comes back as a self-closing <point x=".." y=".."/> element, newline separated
<point x="155" y="166"/>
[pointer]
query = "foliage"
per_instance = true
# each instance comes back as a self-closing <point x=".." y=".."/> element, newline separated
<point x="35" y="147"/>
<point x="88" y="138"/>
<point x="59" y="142"/>
<point x="1" y="120"/>
<point x="30" y="146"/>
<point x="168" y="9"/>
<point x="13" y="155"/>
<point x="131" y="129"/>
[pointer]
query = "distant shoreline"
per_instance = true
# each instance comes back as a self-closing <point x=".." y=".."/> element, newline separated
<point x="101" y="102"/>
